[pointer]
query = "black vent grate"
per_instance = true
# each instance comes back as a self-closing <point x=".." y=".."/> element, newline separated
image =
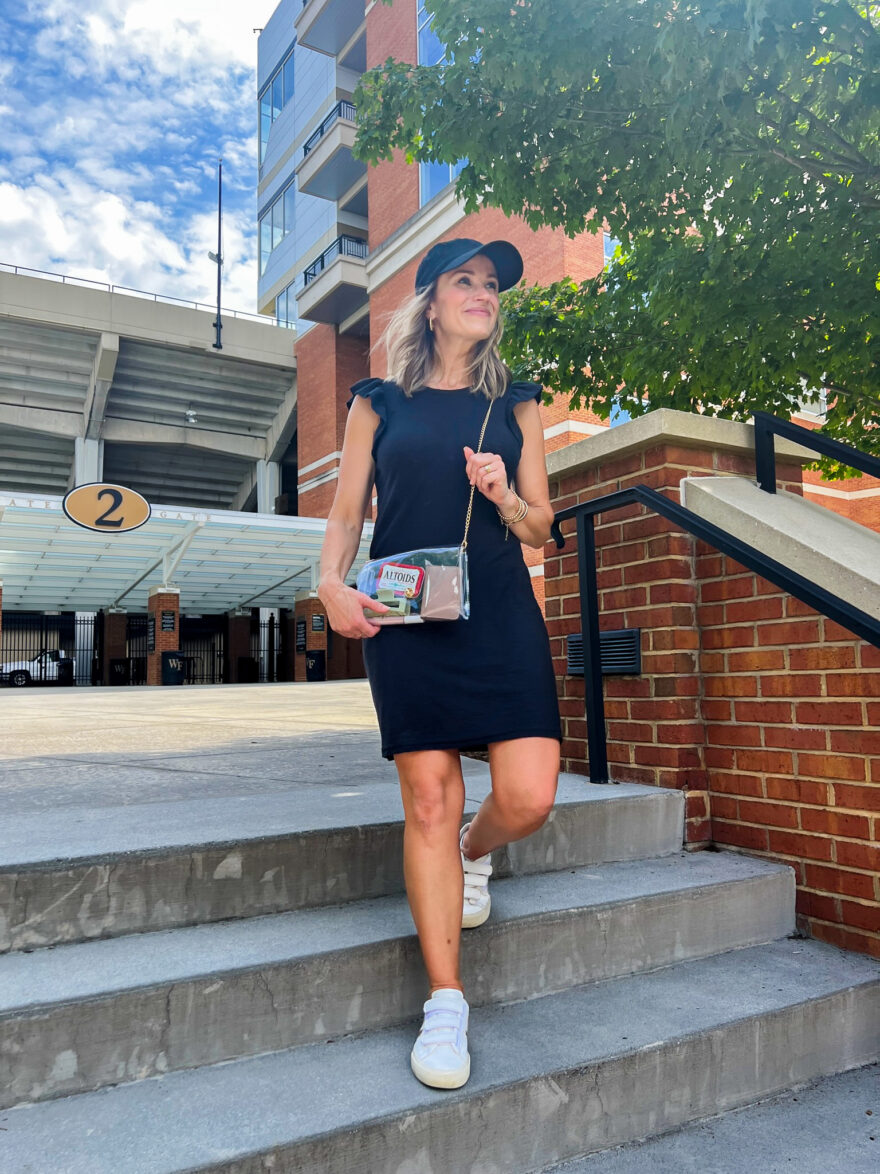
<point x="621" y="652"/>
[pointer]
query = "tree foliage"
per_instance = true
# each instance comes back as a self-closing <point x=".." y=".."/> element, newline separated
<point x="732" y="146"/>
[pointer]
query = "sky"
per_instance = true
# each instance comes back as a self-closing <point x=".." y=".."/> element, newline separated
<point x="113" y="114"/>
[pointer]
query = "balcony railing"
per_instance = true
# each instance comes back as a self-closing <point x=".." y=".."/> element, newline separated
<point x="343" y="246"/>
<point x="343" y="109"/>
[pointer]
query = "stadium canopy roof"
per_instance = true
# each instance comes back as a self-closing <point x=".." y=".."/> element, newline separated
<point x="220" y="560"/>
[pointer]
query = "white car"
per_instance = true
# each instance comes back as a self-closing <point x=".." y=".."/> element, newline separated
<point x="45" y="667"/>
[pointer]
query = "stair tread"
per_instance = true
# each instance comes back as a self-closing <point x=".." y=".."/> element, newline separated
<point x="65" y="973"/>
<point x="820" y="1129"/>
<point x="187" y="1120"/>
<point x="95" y="834"/>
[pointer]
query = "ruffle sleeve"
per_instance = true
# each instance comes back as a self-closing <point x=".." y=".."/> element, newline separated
<point x="371" y="389"/>
<point x="518" y="393"/>
<point x="374" y="391"/>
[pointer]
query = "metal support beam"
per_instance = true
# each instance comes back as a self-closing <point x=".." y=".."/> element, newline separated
<point x="183" y="541"/>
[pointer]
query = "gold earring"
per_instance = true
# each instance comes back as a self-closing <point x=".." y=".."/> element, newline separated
<point x="431" y="325"/>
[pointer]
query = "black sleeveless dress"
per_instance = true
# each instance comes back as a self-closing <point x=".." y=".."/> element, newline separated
<point x="456" y="684"/>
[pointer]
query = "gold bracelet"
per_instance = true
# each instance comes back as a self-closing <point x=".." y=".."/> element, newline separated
<point x="519" y="513"/>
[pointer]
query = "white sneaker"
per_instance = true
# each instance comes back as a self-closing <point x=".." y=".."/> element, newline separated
<point x="477" y="901"/>
<point x="440" y="1054"/>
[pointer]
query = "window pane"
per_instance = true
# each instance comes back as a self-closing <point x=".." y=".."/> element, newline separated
<point x="288" y="209"/>
<point x="434" y="178"/>
<point x="277" y="95"/>
<point x="431" y="50"/>
<point x="288" y="79"/>
<point x="265" y="240"/>
<point x="277" y="223"/>
<point x="265" y="127"/>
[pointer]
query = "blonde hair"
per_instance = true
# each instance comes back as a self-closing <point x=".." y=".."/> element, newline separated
<point x="409" y="346"/>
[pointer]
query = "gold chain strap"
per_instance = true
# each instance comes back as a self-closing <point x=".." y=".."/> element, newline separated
<point x="467" y="521"/>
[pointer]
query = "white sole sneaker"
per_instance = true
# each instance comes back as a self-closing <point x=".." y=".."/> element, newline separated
<point x="439" y="1057"/>
<point x="477" y="904"/>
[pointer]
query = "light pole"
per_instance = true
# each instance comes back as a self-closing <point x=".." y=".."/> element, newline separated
<point x="217" y="257"/>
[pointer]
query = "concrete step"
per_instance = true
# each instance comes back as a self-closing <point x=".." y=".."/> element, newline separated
<point x="829" y="1127"/>
<point x="86" y="873"/>
<point x="554" y="1077"/>
<point x="79" y="1017"/>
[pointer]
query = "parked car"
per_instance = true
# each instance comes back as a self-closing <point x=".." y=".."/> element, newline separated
<point x="52" y="665"/>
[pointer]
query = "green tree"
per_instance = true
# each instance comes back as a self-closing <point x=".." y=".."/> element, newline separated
<point x="732" y="146"/>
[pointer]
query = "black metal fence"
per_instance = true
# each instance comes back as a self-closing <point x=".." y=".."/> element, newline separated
<point x="47" y="649"/>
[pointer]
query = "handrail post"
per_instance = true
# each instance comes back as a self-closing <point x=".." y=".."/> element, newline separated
<point x="594" y="702"/>
<point x="765" y="456"/>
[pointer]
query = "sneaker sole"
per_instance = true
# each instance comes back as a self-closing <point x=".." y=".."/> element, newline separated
<point x="472" y="920"/>
<point x="440" y="1079"/>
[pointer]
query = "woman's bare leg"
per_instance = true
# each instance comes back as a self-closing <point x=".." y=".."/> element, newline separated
<point x="525" y="772"/>
<point x="432" y="789"/>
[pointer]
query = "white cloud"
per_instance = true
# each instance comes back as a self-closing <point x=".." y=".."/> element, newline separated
<point x="116" y="111"/>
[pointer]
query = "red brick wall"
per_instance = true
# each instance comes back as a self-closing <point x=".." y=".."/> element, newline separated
<point x="765" y="714"/>
<point x="327" y="365"/>
<point x="393" y="186"/>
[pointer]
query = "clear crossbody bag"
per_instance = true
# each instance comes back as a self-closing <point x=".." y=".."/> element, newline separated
<point x="420" y="585"/>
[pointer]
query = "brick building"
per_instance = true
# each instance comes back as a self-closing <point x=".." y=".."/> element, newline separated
<point x="340" y="242"/>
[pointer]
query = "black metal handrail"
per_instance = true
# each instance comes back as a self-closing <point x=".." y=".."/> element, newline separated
<point x="767" y="426"/>
<point x="860" y="623"/>
<point x="343" y="246"/>
<point x="342" y="109"/>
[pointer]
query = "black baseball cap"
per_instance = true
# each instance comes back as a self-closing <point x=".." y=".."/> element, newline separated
<point x="451" y="254"/>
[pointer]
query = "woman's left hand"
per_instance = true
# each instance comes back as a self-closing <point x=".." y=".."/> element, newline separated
<point x="486" y="470"/>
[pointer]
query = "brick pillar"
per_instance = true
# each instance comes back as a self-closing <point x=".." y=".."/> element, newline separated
<point x="305" y="609"/>
<point x="238" y="644"/>
<point x="115" y="642"/>
<point x="162" y="601"/>
<point x="329" y="363"/>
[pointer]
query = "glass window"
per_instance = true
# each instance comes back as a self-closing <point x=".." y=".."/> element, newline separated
<point x="277" y="223"/>
<point x="433" y="177"/>
<point x="265" y="124"/>
<point x="274" y="98"/>
<point x="265" y="240"/>
<point x="288" y="198"/>
<point x="287" y="69"/>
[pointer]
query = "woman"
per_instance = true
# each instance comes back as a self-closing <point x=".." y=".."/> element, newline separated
<point x="443" y="687"/>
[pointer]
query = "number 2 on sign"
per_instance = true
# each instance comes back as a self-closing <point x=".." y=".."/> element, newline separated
<point x="105" y="519"/>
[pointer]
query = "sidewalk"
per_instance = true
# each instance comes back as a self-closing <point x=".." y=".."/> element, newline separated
<point x="63" y="748"/>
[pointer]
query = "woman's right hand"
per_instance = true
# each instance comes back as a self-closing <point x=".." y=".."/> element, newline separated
<point x="345" y="610"/>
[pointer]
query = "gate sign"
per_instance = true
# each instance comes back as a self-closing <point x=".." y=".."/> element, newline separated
<point x="110" y="509"/>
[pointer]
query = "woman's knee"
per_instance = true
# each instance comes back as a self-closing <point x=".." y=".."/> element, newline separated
<point x="433" y="797"/>
<point x="527" y="807"/>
